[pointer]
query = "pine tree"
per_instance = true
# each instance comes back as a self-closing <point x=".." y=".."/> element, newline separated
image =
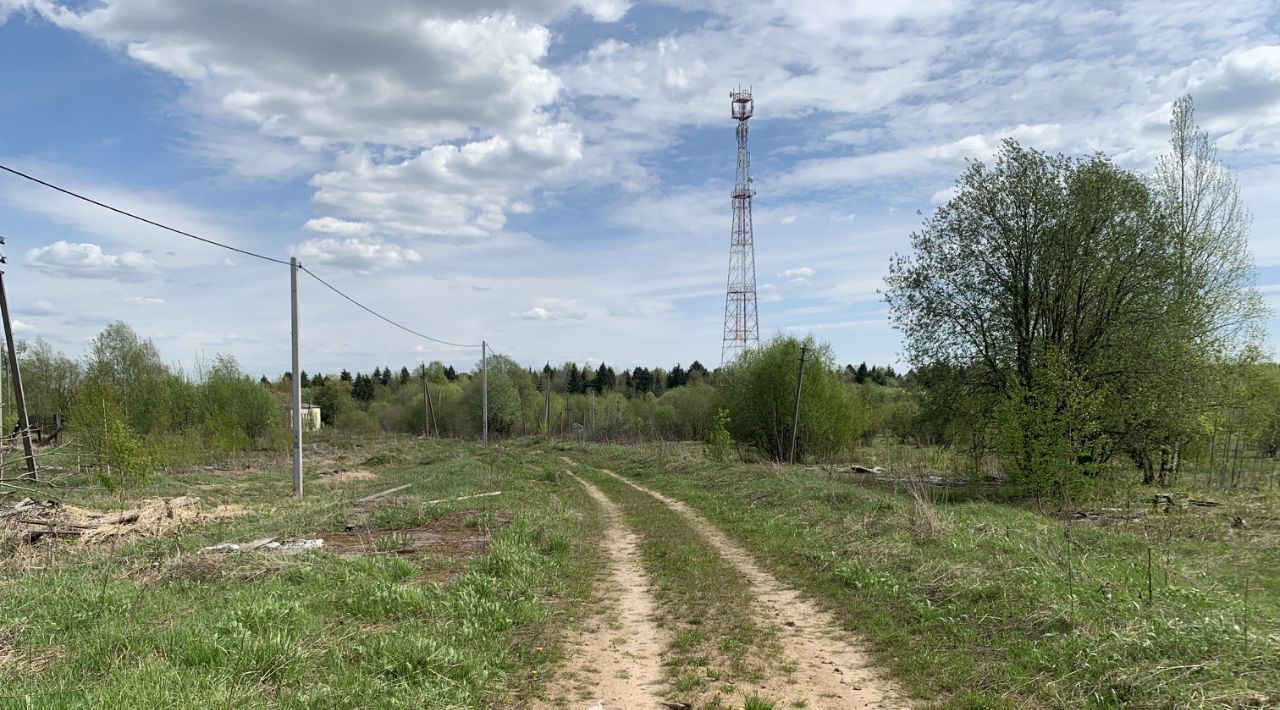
<point x="306" y="381"/>
<point x="345" y="376"/>
<point x="676" y="377"/>
<point x="362" y="388"/>
<point x="385" y="378"/>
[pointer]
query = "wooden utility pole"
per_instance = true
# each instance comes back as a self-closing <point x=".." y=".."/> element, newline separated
<point x="19" y="399"/>
<point x="795" y="411"/>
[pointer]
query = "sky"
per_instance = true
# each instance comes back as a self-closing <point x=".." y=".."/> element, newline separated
<point x="553" y="176"/>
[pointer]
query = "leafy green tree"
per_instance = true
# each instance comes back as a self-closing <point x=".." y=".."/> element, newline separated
<point x="504" y="396"/>
<point x="759" y="392"/>
<point x="49" y="379"/>
<point x="1041" y="257"/>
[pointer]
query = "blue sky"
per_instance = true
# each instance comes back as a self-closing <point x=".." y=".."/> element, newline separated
<point x="553" y="176"/>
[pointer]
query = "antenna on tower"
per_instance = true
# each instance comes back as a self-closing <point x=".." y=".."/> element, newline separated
<point x="741" y="321"/>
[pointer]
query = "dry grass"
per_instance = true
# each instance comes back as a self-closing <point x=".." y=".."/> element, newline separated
<point x="343" y="478"/>
<point x="32" y="522"/>
<point x="926" y="521"/>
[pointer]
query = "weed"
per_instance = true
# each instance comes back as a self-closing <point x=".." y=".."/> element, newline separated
<point x="390" y="543"/>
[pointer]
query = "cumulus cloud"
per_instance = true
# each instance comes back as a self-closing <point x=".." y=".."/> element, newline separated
<point x="789" y="219"/>
<point x="802" y="272"/>
<point x="355" y="254"/>
<point x="454" y="91"/>
<point x="448" y="190"/>
<point x="88" y="261"/>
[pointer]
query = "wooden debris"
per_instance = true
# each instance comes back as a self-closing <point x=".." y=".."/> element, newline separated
<point x="380" y="494"/>
<point x="32" y="520"/>
<point x="478" y="495"/>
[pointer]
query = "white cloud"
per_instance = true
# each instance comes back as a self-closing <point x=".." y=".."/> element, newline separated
<point x="442" y="112"/>
<point x="332" y="225"/>
<point x="144" y="301"/>
<point x="553" y="309"/>
<point x="22" y="327"/>
<point x="355" y="254"/>
<point x="40" y="307"/>
<point x="789" y="219"/>
<point x="943" y="196"/>
<point x="802" y="272"/>
<point x="450" y="191"/>
<point x="88" y="261"/>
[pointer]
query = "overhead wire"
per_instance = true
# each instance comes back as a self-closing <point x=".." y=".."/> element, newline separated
<point x="376" y="314"/>
<point x="131" y="215"/>
<point x="238" y="250"/>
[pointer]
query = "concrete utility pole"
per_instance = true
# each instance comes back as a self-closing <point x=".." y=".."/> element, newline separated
<point x="546" y="406"/>
<point x="795" y="411"/>
<point x="297" y="381"/>
<point x="484" y="392"/>
<point x="18" y="398"/>
<point x="428" y="407"/>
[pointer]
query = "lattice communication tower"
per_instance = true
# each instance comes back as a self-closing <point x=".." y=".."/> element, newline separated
<point x="741" y="321"/>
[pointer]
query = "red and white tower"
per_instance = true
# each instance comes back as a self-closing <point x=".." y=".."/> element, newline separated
<point x="741" y="322"/>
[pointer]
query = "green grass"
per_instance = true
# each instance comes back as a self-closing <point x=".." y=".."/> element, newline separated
<point x="997" y="605"/>
<point x="148" y="623"/>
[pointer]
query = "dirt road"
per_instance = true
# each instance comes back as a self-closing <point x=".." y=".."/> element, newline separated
<point x="821" y="667"/>
<point x="615" y="658"/>
<point x="830" y="670"/>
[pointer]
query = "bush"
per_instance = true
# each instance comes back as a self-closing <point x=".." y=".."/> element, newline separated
<point x="720" y="442"/>
<point x="759" y="393"/>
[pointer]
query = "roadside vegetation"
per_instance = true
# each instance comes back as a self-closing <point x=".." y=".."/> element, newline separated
<point x="980" y="603"/>
<point x="468" y="618"/>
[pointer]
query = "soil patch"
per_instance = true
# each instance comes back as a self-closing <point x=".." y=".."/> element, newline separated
<point x="450" y="535"/>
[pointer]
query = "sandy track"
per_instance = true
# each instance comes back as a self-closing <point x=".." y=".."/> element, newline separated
<point x="830" y="671"/>
<point x="615" y="659"/>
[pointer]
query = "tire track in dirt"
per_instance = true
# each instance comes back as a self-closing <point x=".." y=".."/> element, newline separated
<point x="614" y="660"/>
<point x="830" y="671"/>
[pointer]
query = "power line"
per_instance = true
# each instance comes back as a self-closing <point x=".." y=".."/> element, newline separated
<point x="378" y="315"/>
<point x="131" y="215"/>
<point x="264" y="257"/>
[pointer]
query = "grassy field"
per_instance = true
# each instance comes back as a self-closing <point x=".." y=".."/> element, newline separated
<point x="150" y="623"/>
<point x="981" y="604"/>
<point x="969" y="604"/>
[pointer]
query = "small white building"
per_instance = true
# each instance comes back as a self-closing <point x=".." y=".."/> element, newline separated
<point x="310" y="416"/>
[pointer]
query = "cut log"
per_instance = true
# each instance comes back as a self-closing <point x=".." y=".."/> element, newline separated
<point x="23" y="509"/>
<point x="380" y="494"/>
<point x="124" y="516"/>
